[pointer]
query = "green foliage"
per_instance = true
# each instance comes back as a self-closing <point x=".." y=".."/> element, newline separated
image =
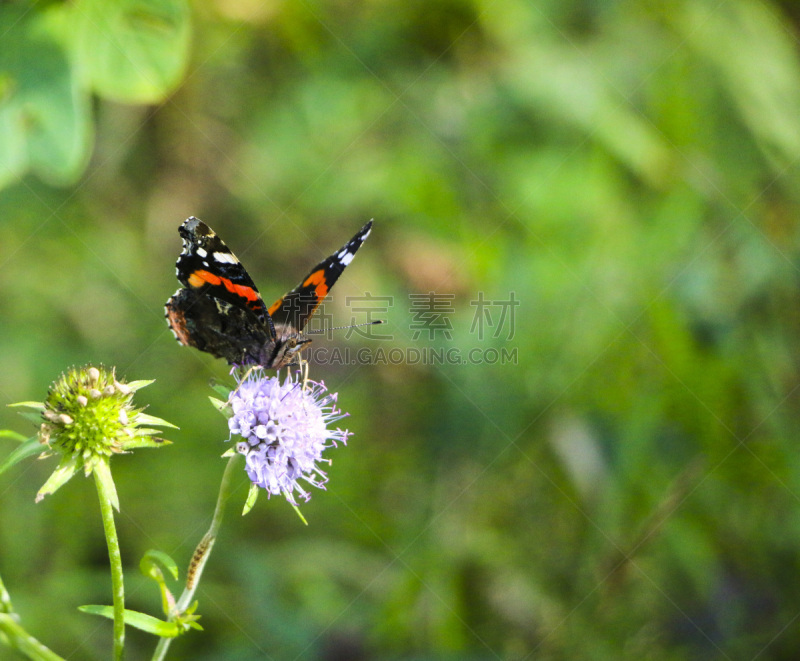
<point x="45" y="122"/>
<point x="132" y="51"/>
<point x="627" y="488"/>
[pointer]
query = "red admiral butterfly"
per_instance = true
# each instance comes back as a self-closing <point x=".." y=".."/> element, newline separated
<point x="219" y="309"/>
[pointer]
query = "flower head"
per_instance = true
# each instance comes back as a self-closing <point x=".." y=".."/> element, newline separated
<point x="284" y="430"/>
<point x="88" y="416"/>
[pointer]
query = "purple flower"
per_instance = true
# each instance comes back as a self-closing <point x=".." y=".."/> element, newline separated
<point x="284" y="428"/>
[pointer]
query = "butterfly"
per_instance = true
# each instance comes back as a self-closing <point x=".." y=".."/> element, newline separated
<point x="219" y="309"/>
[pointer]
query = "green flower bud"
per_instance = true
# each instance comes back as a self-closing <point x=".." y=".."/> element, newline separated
<point x="86" y="415"/>
<point x="89" y="416"/>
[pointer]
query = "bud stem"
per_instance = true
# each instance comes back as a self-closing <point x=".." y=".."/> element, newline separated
<point x="200" y="555"/>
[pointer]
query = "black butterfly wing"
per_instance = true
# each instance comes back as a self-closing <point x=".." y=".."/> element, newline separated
<point x="217" y="327"/>
<point x="208" y="266"/>
<point x="298" y="306"/>
<point x="219" y="310"/>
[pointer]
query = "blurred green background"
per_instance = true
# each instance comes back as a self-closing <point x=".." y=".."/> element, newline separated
<point x="622" y="482"/>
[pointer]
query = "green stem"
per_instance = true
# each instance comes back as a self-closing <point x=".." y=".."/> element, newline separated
<point x="17" y="638"/>
<point x="200" y="556"/>
<point x="12" y="633"/>
<point x="115" y="559"/>
<point x="5" y="599"/>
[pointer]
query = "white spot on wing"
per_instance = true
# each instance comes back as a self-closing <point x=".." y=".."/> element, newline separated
<point x="345" y="257"/>
<point x="202" y="252"/>
<point x="225" y="258"/>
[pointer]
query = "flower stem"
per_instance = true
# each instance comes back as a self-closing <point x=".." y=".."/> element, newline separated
<point x="200" y="555"/>
<point x="115" y="560"/>
<point x="12" y="633"/>
<point x="20" y="640"/>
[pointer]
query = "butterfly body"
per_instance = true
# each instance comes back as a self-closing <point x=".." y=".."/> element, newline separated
<point x="220" y="311"/>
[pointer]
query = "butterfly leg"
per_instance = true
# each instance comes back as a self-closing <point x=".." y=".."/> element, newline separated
<point x="244" y="378"/>
<point x="304" y="372"/>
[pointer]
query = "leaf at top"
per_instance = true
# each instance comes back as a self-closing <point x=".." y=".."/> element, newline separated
<point x="132" y="51"/>
<point x="145" y="419"/>
<point x="45" y="118"/>
<point x="60" y="476"/>
<point x="39" y="406"/>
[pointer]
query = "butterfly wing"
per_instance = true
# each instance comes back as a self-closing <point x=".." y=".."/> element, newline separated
<point x="219" y="310"/>
<point x="298" y="306"/>
<point x="217" y="327"/>
<point x="207" y="266"/>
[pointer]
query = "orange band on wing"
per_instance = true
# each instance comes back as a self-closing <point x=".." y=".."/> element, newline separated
<point x="200" y="278"/>
<point x="317" y="278"/>
<point x="276" y="306"/>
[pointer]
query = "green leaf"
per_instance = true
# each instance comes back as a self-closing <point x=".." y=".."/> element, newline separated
<point x="146" y="431"/>
<point x="138" y="620"/>
<point x="188" y="619"/>
<point x="300" y="514"/>
<point x="132" y="51"/>
<point x="45" y="117"/>
<point x="34" y="416"/>
<point x="222" y="407"/>
<point x="8" y="433"/>
<point x="152" y="559"/>
<point x="145" y="441"/>
<point x="60" y="476"/>
<point x="141" y="383"/>
<point x="150" y="565"/>
<point x="221" y="389"/>
<point x="39" y="406"/>
<point x="145" y="419"/>
<point x="252" y="495"/>
<point x="31" y="447"/>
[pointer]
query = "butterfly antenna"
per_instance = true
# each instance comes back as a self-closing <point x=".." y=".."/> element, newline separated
<point x="325" y="330"/>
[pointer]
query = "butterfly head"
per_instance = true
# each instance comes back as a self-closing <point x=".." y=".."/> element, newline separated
<point x="285" y="349"/>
